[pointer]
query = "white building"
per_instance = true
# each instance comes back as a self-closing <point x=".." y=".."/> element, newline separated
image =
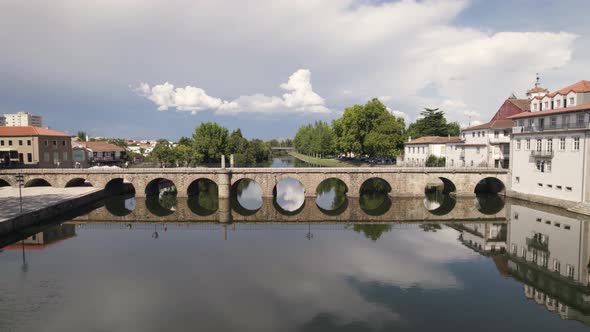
<point x="2" y="121"/>
<point x="550" y="145"/>
<point x="417" y="151"/>
<point x="487" y="144"/>
<point x="22" y="119"/>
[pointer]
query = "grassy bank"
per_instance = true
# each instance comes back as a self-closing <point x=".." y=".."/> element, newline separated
<point x="319" y="161"/>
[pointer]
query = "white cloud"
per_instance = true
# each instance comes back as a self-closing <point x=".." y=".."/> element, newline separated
<point x="299" y="98"/>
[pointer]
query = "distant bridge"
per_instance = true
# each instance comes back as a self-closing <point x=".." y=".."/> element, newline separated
<point x="401" y="181"/>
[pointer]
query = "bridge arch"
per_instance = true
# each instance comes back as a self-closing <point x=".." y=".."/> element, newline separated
<point x="490" y="185"/>
<point x="157" y="185"/>
<point x="118" y="185"/>
<point x="331" y="196"/>
<point x="375" y="184"/>
<point x="4" y="183"/>
<point x="203" y="196"/>
<point x="38" y="182"/>
<point x="289" y="194"/>
<point x="246" y="196"/>
<point x="78" y="182"/>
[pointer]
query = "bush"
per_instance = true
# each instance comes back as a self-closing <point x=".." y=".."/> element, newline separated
<point x="434" y="161"/>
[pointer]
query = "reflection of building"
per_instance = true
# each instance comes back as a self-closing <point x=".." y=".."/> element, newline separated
<point x="45" y="238"/>
<point x="550" y="254"/>
<point x="485" y="238"/>
<point x="34" y="146"/>
<point x="23" y="119"/>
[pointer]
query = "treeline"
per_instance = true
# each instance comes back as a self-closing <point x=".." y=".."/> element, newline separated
<point x="207" y="144"/>
<point x="369" y="129"/>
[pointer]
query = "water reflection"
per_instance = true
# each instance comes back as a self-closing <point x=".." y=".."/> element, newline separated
<point x="289" y="195"/>
<point x="203" y="197"/>
<point x="331" y="196"/>
<point x="246" y="196"/>
<point x="374" y="197"/>
<point x="439" y="203"/>
<point x="120" y="205"/>
<point x="489" y="203"/>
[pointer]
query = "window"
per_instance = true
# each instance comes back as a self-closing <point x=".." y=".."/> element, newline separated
<point x="562" y="143"/>
<point x="46" y="143"/>
<point x="558" y="103"/>
<point x="546" y="105"/>
<point x="9" y="142"/>
<point x="521" y="123"/>
<point x="28" y="142"/>
<point x="477" y="150"/>
<point x="523" y="252"/>
<point x="550" y="144"/>
<point x="46" y="156"/>
<point x="517" y="144"/>
<point x="548" y="169"/>
<point x="65" y="156"/>
<point x="556" y="265"/>
<point x="558" y="187"/>
<point x="54" y="143"/>
<point x="515" y="215"/>
<point x="580" y="119"/>
<point x="571" y="101"/>
<point x="576" y="146"/>
<point x="463" y="135"/>
<point x="540" y="185"/>
<point x="496" y="134"/>
<point x="479" y="134"/>
<point x="55" y="157"/>
<point x="553" y="122"/>
<point x="20" y="142"/>
<point x="539" y="145"/>
<point x="63" y="143"/>
<point x="2" y="143"/>
<point x="549" y="186"/>
<point x="473" y="134"/>
<point x="514" y="249"/>
<point x="528" y="144"/>
<point x="535" y="106"/>
<point x="568" y="227"/>
<point x="569" y="269"/>
<point x="29" y="157"/>
<point x="517" y="179"/>
<point x="557" y="224"/>
<point x="472" y="163"/>
<point x="565" y="120"/>
<point x="540" y="165"/>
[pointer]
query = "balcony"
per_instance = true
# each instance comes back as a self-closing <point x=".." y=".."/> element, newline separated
<point x="551" y="127"/>
<point x="498" y="140"/>
<point x="542" y="154"/>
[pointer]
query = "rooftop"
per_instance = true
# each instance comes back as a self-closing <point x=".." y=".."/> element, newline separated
<point x="582" y="107"/>
<point x="496" y="124"/>
<point x="436" y="140"/>
<point x="101" y="146"/>
<point x="578" y="87"/>
<point x="30" y="131"/>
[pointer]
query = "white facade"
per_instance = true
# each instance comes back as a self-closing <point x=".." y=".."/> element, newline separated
<point x="487" y="147"/>
<point x="21" y="119"/>
<point x="550" y="148"/>
<point x="416" y="154"/>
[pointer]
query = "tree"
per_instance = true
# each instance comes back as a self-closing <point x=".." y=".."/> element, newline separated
<point x="81" y="135"/>
<point x="433" y="123"/>
<point x="316" y="139"/>
<point x="372" y="231"/>
<point x="369" y="129"/>
<point x="210" y="141"/>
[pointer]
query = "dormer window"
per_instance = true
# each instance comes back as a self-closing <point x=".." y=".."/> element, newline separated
<point x="546" y="105"/>
<point x="535" y="106"/>
<point x="558" y="103"/>
<point x="571" y="101"/>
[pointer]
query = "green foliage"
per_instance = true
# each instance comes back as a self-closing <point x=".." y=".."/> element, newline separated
<point x="81" y="135"/>
<point x="434" y="161"/>
<point x="118" y="142"/>
<point x="210" y="141"/>
<point x="372" y="231"/>
<point x="316" y="139"/>
<point x="369" y="129"/>
<point x="433" y="123"/>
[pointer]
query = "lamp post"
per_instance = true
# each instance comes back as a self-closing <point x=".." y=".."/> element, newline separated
<point x="309" y="235"/>
<point x="20" y="180"/>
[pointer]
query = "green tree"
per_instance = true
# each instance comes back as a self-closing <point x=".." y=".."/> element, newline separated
<point x="372" y="231"/>
<point x="81" y="135"/>
<point x="454" y="129"/>
<point x="210" y="141"/>
<point x="433" y="123"/>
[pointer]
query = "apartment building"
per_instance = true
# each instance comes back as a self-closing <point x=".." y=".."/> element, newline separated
<point x="417" y="151"/>
<point x="550" y="145"/>
<point x="34" y="147"/>
<point x="23" y="119"/>
<point x="2" y="121"/>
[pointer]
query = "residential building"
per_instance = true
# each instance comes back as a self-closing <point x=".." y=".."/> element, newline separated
<point x="34" y="147"/>
<point x="98" y="153"/>
<point x="22" y="119"/>
<point x="487" y="144"/>
<point x="417" y="151"/>
<point x="550" y="145"/>
<point x="2" y="121"/>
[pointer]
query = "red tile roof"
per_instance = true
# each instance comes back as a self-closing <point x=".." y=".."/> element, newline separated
<point x="436" y="140"/>
<point x="101" y="146"/>
<point x="550" y="112"/>
<point x="496" y="124"/>
<point x="578" y="87"/>
<point x="30" y="131"/>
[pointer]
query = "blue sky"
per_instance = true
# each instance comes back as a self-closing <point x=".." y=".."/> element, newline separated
<point x="271" y="66"/>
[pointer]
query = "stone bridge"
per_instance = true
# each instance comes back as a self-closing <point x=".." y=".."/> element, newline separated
<point x="401" y="181"/>
<point x="400" y="210"/>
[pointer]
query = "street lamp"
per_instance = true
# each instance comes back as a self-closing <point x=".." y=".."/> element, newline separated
<point x="309" y="235"/>
<point x="20" y="180"/>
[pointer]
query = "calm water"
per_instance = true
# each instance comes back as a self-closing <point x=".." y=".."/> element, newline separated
<point x="290" y="263"/>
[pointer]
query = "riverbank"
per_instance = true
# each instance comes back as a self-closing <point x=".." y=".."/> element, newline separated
<point x="320" y="161"/>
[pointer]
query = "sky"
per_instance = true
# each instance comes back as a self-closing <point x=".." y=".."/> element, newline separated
<point x="156" y="69"/>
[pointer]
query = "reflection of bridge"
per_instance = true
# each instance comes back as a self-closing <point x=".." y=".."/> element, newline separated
<point x="401" y="210"/>
<point x="402" y="181"/>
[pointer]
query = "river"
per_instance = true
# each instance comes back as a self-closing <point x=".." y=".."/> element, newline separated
<point x="329" y="263"/>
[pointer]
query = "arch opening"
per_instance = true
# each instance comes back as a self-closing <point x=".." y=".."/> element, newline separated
<point x="289" y="195"/>
<point x="331" y="196"/>
<point x="439" y="203"/>
<point x="78" y="182"/>
<point x="120" y="205"/>
<point x="203" y="197"/>
<point x="119" y="186"/>
<point x="374" y="196"/>
<point x="37" y="183"/>
<point x="4" y="183"/>
<point x="161" y="197"/>
<point x="490" y="185"/>
<point x="489" y="203"/>
<point x="246" y="197"/>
